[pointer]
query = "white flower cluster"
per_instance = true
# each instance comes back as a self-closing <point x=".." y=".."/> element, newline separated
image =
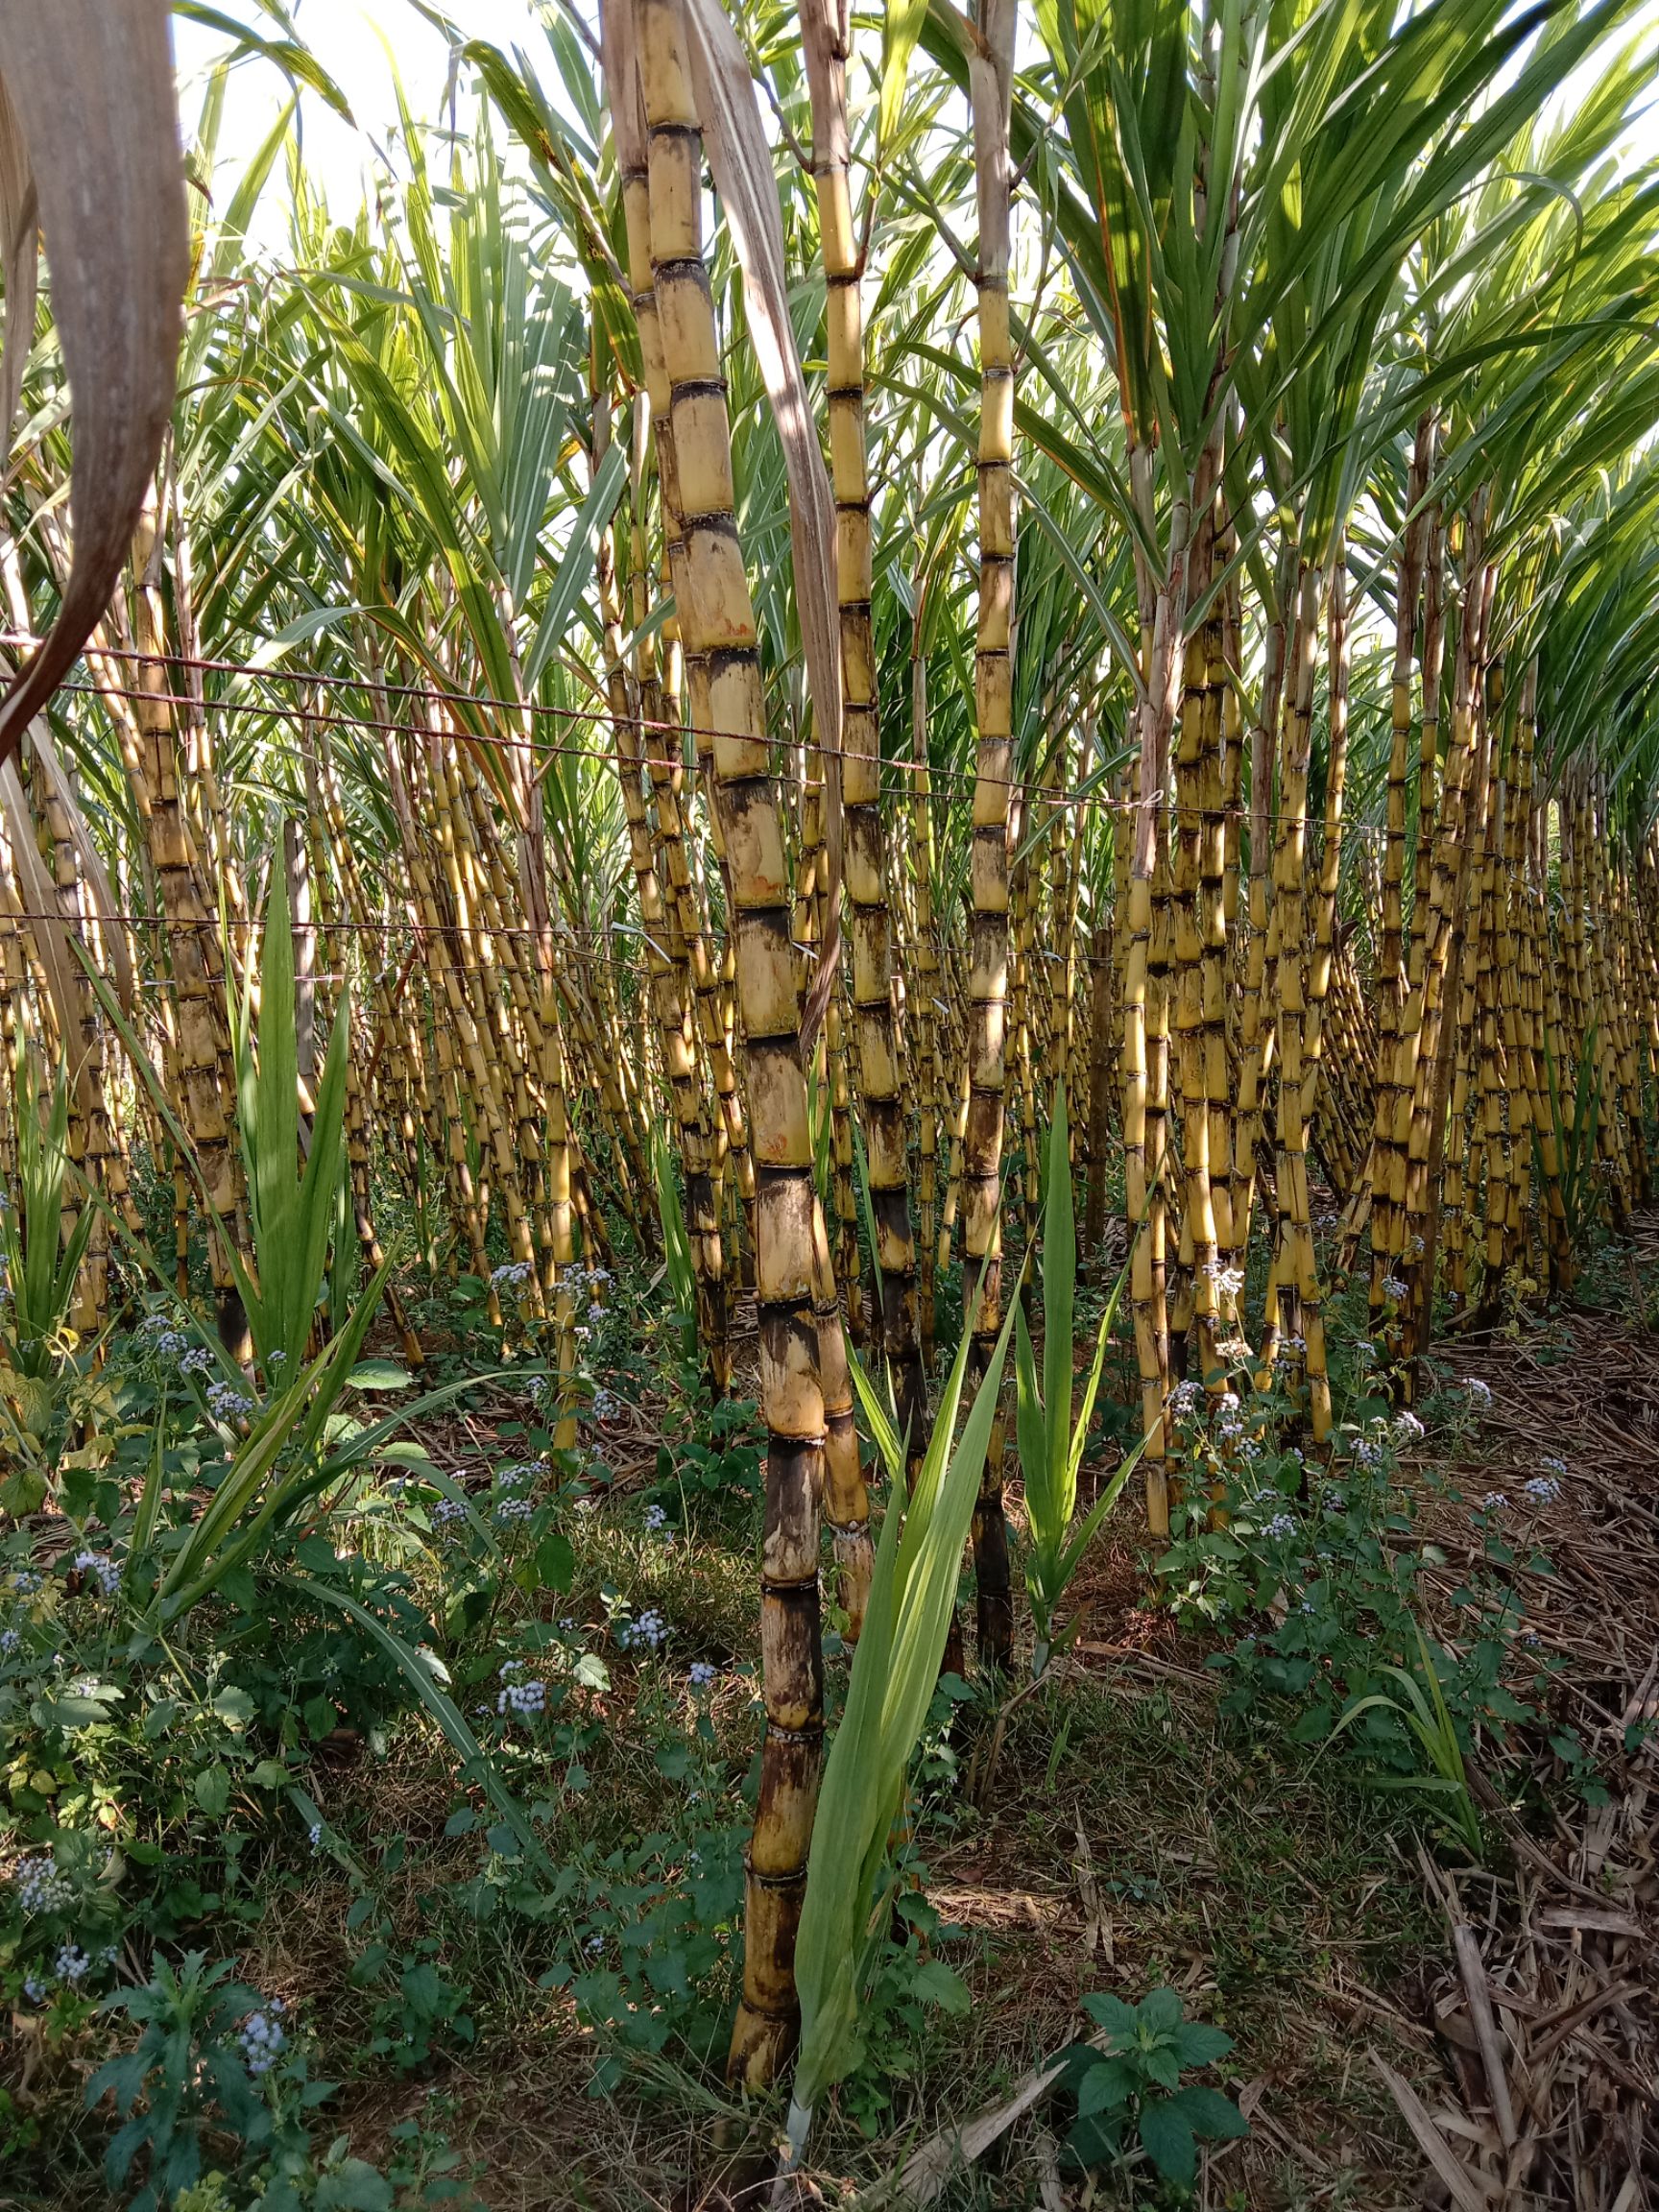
<point x="1480" y="1392"/>
<point x="605" y="1406"/>
<point x="514" y="1510"/>
<point x="226" y="1403"/>
<point x="512" y="1277"/>
<point x="520" y="1474"/>
<point x="73" y="1964"/>
<point x="648" y="1633"/>
<point x="158" y="1336"/>
<point x="700" y="1674"/>
<point x="520" y="1700"/>
<point x="1281" y="1525"/>
<point x="658" y="1524"/>
<point x="263" y="2038"/>
<point x="101" y="1569"/>
<point x="1542" y="1489"/>
<point x="196" y="1361"/>
<point x="1394" y="1288"/>
<point x="1494" y="1502"/>
<point x="41" y="1887"/>
<point x="10" y="1640"/>
<point x="447" y="1510"/>
<point x="25" y="1582"/>
<point x="1407" y="1428"/>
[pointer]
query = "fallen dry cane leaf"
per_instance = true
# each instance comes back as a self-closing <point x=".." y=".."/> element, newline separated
<point x="1469" y="2191"/>
<point x="90" y="90"/>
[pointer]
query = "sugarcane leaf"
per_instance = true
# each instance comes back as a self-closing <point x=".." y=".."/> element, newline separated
<point x="1059" y="1296"/>
<point x="92" y="92"/>
<point x="740" y="160"/>
<point x="1031" y="1434"/>
<point x="575" y="568"/>
<point x="901" y="22"/>
<point x="420" y="1670"/>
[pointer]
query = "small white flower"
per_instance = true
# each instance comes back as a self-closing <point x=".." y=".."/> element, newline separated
<point x="101" y="1569"/>
<point x="520" y="1700"/>
<point x="1280" y="1525"/>
<point x="700" y="1674"/>
<point x="1542" y="1489"/>
<point x="263" y="2038"/>
<point x="1480" y="1392"/>
<point x="226" y="1403"/>
<point x="1494" y="1502"/>
<point x="315" y="1834"/>
<point x="1407" y="1428"/>
<point x="73" y="1964"/>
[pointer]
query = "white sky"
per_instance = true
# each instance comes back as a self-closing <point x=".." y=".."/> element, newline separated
<point x="351" y="38"/>
<point x="356" y="41"/>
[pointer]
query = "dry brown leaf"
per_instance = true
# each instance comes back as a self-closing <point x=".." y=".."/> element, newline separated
<point x="39" y="887"/>
<point x="1470" y="2192"/>
<point x="19" y="240"/>
<point x="90" y="86"/>
<point x="90" y="863"/>
<point x="925" y="2171"/>
<point x="741" y="163"/>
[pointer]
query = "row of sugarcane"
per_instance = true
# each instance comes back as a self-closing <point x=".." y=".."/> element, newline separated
<point x="1438" y="1026"/>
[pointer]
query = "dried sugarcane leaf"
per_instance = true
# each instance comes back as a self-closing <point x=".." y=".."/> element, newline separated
<point x="19" y="229"/>
<point x="1470" y="2192"/>
<point x="39" y="894"/>
<point x="91" y="90"/>
<point x="93" y="873"/>
<point x="741" y="163"/>
<point x="622" y="84"/>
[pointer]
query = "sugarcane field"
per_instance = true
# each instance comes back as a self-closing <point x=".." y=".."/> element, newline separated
<point x="830" y="1105"/>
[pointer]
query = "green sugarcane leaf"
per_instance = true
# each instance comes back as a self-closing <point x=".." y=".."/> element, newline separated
<point x="883" y="1430"/>
<point x="317" y="1201"/>
<point x="1059" y="1293"/>
<point x="420" y="1670"/>
<point x="1097" y="1512"/>
<point x="1032" y="1437"/>
<point x="269" y="1087"/>
<point x="849" y="1804"/>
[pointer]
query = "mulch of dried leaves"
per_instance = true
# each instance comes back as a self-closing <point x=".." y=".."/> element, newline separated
<point x="1547" y="2012"/>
